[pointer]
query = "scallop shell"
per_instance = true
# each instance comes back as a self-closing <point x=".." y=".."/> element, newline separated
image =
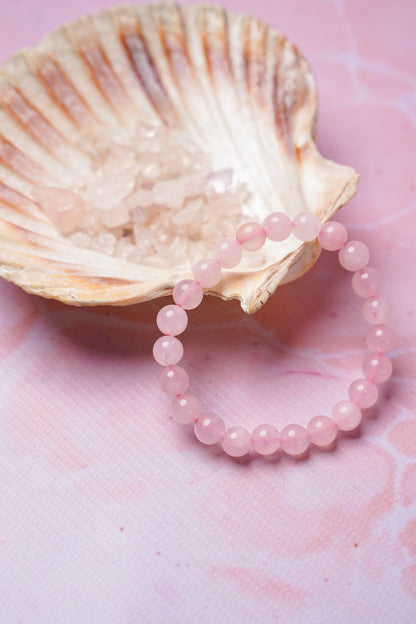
<point x="239" y="88"/>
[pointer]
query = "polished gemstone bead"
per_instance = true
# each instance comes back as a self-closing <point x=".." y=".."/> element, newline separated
<point x="346" y="415"/>
<point x="172" y="320"/>
<point x="251" y="236"/>
<point x="363" y="392"/>
<point x="186" y="409"/>
<point x="209" y="428"/>
<point x="207" y="272"/>
<point x="228" y="252"/>
<point x="173" y="380"/>
<point x="236" y="441"/>
<point x="167" y="350"/>
<point x="377" y="368"/>
<point x="188" y="294"/>
<point x="354" y="256"/>
<point x="376" y="310"/>
<point x="333" y="236"/>
<point x="306" y="226"/>
<point x="265" y="439"/>
<point x="366" y="282"/>
<point x="322" y="430"/>
<point x="277" y="226"/>
<point x="381" y="338"/>
<point x="294" y="439"/>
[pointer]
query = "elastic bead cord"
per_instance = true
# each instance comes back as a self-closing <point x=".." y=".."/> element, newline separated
<point x="294" y="439"/>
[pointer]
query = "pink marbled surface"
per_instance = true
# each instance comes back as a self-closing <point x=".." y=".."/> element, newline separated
<point x="112" y="513"/>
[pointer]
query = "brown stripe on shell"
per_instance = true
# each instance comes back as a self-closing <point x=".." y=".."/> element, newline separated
<point x="34" y="122"/>
<point x="20" y="203"/>
<point x="215" y="41"/>
<point x="280" y="116"/>
<point x="62" y="90"/>
<point x="171" y="33"/>
<point x="17" y="161"/>
<point x="254" y="57"/>
<point x="85" y="40"/>
<point x="144" y="66"/>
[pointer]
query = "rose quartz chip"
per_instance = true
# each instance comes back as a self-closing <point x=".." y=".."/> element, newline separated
<point x="236" y="441"/>
<point x="115" y="217"/>
<point x="209" y="428"/>
<point x="66" y="209"/>
<point x="169" y="192"/>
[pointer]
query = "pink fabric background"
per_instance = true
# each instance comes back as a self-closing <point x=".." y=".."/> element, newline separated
<point x="112" y="513"/>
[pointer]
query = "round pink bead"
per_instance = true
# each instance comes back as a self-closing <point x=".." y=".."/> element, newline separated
<point x="228" y="252"/>
<point x="236" y="441"/>
<point x="333" y="236"/>
<point x="173" y="380"/>
<point x="322" y="430"/>
<point x="207" y="272"/>
<point x="265" y="439"/>
<point x="186" y="408"/>
<point x="167" y="350"/>
<point x="209" y="428"/>
<point x="251" y="236"/>
<point x="381" y="339"/>
<point x="277" y="226"/>
<point x="363" y="392"/>
<point x="346" y="415"/>
<point x="306" y="226"/>
<point x="366" y="282"/>
<point x="172" y="320"/>
<point x="294" y="439"/>
<point x="376" y="310"/>
<point x="354" y="256"/>
<point x="188" y="294"/>
<point x="377" y="368"/>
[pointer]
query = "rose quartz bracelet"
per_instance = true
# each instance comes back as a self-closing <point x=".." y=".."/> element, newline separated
<point x="294" y="439"/>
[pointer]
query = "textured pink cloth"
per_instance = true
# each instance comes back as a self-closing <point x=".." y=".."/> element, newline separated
<point x="111" y="512"/>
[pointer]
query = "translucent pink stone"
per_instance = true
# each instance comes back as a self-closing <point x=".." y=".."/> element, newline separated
<point x="377" y="367"/>
<point x="346" y="415"/>
<point x="363" y="392"/>
<point x="322" y="430"/>
<point x="236" y="441"/>
<point x="366" y="282"/>
<point x="381" y="339"/>
<point x="207" y="272"/>
<point x="306" y="226"/>
<point x="188" y="294"/>
<point x="376" y="310"/>
<point x="66" y="209"/>
<point x="265" y="439"/>
<point x="209" y="428"/>
<point x="172" y="320"/>
<point x="277" y="226"/>
<point x="186" y="409"/>
<point x="173" y="380"/>
<point x="354" y="256"/>
<point x="167" y="350"/>
<point x="333" y="236"/>
<point x="251" y="236"/>
<point x="294" y="439"/>
<point x="228" y="252"/>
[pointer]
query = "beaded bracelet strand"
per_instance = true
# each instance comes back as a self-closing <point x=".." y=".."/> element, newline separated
<point x="294" y="439"/>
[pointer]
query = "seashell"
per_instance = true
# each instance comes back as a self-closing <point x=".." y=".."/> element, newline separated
<point x="231" y="85"/>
